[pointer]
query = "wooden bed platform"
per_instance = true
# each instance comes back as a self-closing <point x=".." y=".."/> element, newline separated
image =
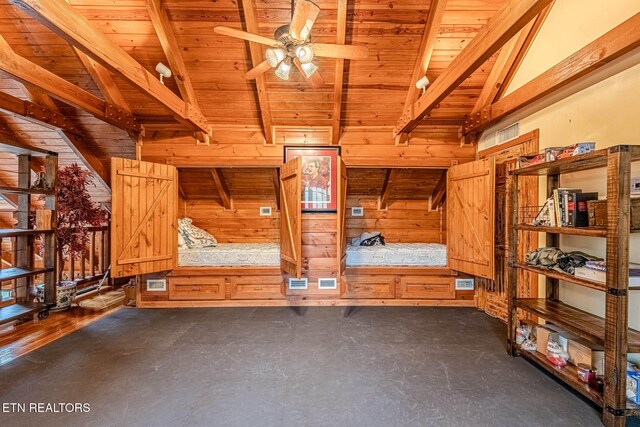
<point x="266" y="286"/>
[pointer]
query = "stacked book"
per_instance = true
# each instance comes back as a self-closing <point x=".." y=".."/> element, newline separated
<point x="566" y="208"/>
<point x="597" y="270"/>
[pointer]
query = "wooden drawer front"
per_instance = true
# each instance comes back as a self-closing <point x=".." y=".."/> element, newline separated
<point x="257" y="287"/>
<point x="196" y="288"/>
<point x="425" y="287"/>
<point x="369" y="287"/>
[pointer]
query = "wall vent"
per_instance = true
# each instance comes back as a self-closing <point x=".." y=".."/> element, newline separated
<point x="508" y="133"/>
<point x="265" y="210"/>
<point x="464" y="284"/>
<point x="298" y="283"/>
<point x="156" y="285"/>
<point x="357" y="211"/>
<point x="328" y="283"/>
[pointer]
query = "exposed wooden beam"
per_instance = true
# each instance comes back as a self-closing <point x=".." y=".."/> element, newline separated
<point x="389" y="179"/>
<point x="520" y="50"/>
<point x="251" y="20"/>
<point x="221" y="185"/>
<point x="9" y="136"/>
<point x="616" y="43"/>
<point x="36" y="113"/>
<point x="102" y="77"/>
<point x="498" y="72"/>
<point x="31" y="74"/>
<point x="437" y="196"/>
<point x="49" y="114"/>
<point x="510" y="19"/>
<point x="62" y="19"/>
<point x="508" y="62"/>
<point x="171" y="50"/>
<point x="182" y="193"/>
<point x="275" y="178"/>
<point x="429" y="36"/>
<point x="339" y="73"/>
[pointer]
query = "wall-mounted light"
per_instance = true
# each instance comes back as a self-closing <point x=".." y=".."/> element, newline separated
<point x="422" y="83"/>
<point x="163" y="70"/>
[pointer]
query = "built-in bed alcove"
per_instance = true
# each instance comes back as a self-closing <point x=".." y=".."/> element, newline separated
<point x="408" y="206"/>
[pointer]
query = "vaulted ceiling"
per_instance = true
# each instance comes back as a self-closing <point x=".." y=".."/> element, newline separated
<point x="373" y="90"/>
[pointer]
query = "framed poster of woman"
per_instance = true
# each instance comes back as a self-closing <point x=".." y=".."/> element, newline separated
<point x="319" y="176"/>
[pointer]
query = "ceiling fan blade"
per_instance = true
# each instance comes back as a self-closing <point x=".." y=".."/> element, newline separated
<point x="340" y="51"/>
<point x="232" y="32"/>
<point x="304" y="15"/>
<point x="257" y="70"/>
<point x="315" y="79"/>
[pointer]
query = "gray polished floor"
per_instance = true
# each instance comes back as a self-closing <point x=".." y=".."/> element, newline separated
<point x="386" y="366"/>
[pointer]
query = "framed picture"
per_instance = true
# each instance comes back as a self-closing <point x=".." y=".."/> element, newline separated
<point x="319" y="176"/>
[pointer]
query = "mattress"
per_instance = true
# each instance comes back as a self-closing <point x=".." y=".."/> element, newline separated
<point x="231" y="255"/>
<point x="415" y="254"/>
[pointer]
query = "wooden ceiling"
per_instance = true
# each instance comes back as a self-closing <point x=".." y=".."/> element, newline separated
<point x="258" y="183"/>
<point x="373" y="90"/>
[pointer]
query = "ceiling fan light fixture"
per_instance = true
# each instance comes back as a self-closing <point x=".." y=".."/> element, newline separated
<point x="283" y="70"/>
<point x="275" y="56"/>
<point x="309" y="68"/>
<point x="304" y="53"/>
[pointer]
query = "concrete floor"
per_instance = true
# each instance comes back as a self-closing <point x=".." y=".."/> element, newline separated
<point x="382" y="366"/>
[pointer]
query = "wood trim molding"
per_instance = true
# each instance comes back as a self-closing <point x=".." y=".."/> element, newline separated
<point x="529" y="136"/>
<point x="510" y="19"/>
<point x="621" y="40"/>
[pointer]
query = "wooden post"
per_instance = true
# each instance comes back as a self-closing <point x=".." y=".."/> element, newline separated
<point x="82" y="266"/>
<point x="92" y="254"/>
<point x="50" y="250"/>
<point x="23" y="257"/>
<point x="552" y="287"/>
<point x="512" y="289"/>
<point x="72" y="267"/>
<point x="616" y="310"/>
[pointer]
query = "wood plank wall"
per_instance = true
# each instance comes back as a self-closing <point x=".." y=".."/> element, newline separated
<point x="242" y="224"/>
<point x="406" y="221"/>
<point x="319" y="253"/>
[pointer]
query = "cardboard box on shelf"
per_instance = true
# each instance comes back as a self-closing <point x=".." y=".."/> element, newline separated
<point x="543" y="335"/>
<point x="583" y="351"/>
<point x="563" y="339"/>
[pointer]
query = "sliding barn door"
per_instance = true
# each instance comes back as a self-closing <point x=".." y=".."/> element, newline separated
<point x="470" y="217"/>
<point x="144" y="202"/>
<point x="291" y="217"/>
<point x="341" y="207"/>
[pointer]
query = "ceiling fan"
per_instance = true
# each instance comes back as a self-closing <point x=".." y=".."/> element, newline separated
<point x="292" y="46"/>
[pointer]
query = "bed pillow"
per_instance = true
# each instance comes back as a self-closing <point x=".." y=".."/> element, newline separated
<point x="195" y="237"/>
<point x="182" y="244"/>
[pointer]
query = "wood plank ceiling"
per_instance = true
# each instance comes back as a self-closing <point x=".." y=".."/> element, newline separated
<point x="374" y="89"/>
